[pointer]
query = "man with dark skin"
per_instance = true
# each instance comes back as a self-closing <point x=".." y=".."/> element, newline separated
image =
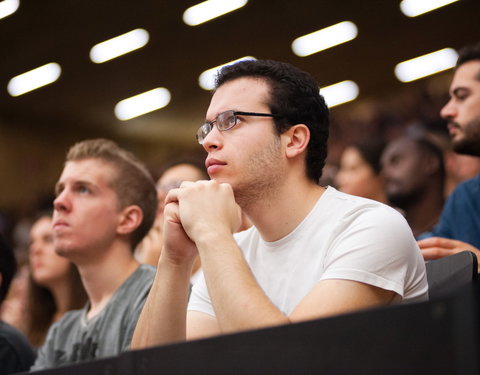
<point x="413" y="174"/>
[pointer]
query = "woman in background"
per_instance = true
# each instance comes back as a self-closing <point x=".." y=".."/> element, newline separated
<point x="360" y="171"/>
<point x="54" y="283"/>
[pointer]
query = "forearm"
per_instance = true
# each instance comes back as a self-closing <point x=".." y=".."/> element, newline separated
<point x="239" y="302"/>
<point x="163" y="318"/>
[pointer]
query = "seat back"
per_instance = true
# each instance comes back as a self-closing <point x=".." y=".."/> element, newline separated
<point x="445" y="275"/>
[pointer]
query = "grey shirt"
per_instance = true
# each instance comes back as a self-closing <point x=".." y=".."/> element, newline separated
<point x="74" y="338"/>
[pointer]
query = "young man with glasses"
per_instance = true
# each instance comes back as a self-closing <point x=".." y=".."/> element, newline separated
<point x="312" y="252"/>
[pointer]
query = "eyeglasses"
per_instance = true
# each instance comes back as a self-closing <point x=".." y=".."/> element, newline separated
<point x="225" y="121"/>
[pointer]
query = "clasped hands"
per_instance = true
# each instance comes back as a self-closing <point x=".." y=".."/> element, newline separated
<point x="198" y="212"/>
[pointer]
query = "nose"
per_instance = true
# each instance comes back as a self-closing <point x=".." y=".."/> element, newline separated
<point x="35" y="248"/>
<point x="213" y="140"/>
<point x="449" y="111"/>
<point x="62" y="202"/>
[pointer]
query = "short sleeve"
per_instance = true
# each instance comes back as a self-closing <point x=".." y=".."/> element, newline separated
<point x="375" y="247"/>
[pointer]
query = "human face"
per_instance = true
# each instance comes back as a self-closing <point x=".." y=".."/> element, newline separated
<point x="47" y="268"/>
<point x="463" y="109"/>
<point x="403" y="172"/>
<point x="356" y="176"/>
<point x="86" y="210"/>
<point x="172" y="178"/>
<point x="248" y="156"/>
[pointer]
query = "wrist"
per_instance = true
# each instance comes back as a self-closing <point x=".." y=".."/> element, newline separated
<point x="213" y="238"/>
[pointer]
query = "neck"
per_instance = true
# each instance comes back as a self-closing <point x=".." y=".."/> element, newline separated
<point x="280" y="213"/>
<point x="102" y="276"/>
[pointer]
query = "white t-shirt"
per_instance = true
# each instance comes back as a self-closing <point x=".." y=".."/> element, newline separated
<point x="343" y="237"/>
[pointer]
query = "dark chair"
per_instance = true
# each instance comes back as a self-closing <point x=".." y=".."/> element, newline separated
<point x="446" y="275"/>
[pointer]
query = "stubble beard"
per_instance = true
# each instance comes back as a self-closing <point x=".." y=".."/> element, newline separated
<point x="263" y="177"/>
<point x="469" y="144"/>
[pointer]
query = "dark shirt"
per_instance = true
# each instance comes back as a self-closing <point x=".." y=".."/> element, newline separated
<point x="16" y="353"/>
<point x="460" y="219"/>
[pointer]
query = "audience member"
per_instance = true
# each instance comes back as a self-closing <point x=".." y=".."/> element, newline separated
<point x="414" y="174"/>
<point x="16" y="354"/>
<point x="359" y="172"/>
<point x="459" y="226"/>
<point x="55" y="286"/>
<point x="105" y="204"/>
<point x="313" y="251"/>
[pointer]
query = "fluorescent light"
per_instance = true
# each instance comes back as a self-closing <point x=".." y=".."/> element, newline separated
<point x="413" y="8"/>
<point x="339" y="93"/>
<point x="426" y="65"/>
<point x="119" y="46"/>
<point x="206" y="80"/>
<point x="210" y="9"/>
<point x="140" y="104"/>
<point x="8" y="7"/>
<point x="34" y="79"/>
<point x="325" y="38"/>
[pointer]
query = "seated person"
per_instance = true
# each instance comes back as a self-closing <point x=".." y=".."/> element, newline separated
<point x="105" y="204"/>
<point x="414" y="173"/>
<point x="312" y="252"/>
<point x="16" y="354"/>
<point x="54" y="287"/>
<point x="359" y="172"/>
<point x="459" y="225"/>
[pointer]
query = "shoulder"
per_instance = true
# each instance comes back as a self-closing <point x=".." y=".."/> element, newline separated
<point x="66" y="324"/>
<point x="16" y="353"/>
<point x="468" y="186"/>
<point x="349" y="209"/>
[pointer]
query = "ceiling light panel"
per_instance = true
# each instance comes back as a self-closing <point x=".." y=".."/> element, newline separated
<point x="8" y="7"/>
<point x="206" y="80"/>
<point x="426" y="65"/>
<point x="209" y="10"/>
<point x="325" y="38"/>
<point x="142" y="103"/>
<point x="119" y="46"/>
<point x="413" y="8"/>
<point x="339" y="93"/>
<point x="34" y="79"/>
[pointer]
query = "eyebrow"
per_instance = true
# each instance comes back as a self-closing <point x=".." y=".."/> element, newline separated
<point x="60" y="185"/>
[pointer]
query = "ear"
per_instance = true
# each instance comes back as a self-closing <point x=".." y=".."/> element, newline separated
<point x="130" y="219"/>
<point x="296" y="140"/>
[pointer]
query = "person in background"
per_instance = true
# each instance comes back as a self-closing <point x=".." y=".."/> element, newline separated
<point x="55" y="286"/>
<point x="105" y="204"/>
<point x="459" y="226"/>
<point x="16" y="354"/>
<point x="312" y="251"/>
<point x="414" y="175"/>
<point x="359" y="172"/>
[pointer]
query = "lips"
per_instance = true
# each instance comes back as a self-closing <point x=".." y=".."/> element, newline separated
<point x="453" y="127"/>
<point x="214" y="165"/>
<point x="59" y="224"/>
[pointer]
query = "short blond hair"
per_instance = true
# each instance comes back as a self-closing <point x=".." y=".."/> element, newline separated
<point x="133" y="183"/>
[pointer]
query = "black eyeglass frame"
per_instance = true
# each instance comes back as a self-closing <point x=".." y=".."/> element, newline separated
<point x="201" y="134"/>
